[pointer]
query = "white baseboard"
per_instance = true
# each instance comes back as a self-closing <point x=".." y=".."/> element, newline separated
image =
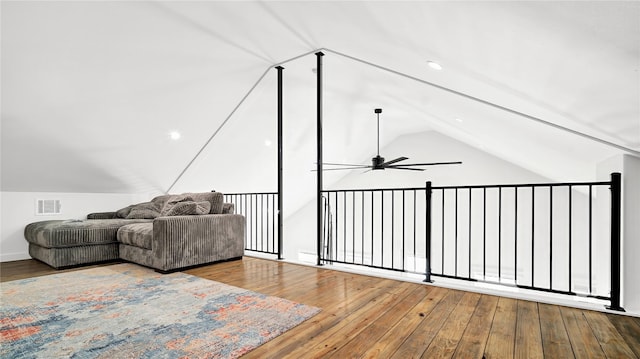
<point x="16" y="256"/>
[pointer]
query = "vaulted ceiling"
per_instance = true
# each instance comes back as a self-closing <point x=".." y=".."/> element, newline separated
<point x="91" y="90"/>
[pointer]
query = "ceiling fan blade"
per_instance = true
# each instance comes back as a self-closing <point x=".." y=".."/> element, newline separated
<point x="343" y="168"/>
<point x="339" y="164"/>
<point x="404" y="168"/>
<point x="433" y="163"/>
<point x="394" y="161"/>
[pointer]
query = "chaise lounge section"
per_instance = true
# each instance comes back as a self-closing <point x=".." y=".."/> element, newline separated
<point x="168" y="233"/>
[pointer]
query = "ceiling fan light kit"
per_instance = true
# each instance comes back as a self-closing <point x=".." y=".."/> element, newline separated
<point x="378" y="162"/>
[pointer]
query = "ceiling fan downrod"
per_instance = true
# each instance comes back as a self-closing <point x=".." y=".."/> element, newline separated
<point x="378" y="111"/>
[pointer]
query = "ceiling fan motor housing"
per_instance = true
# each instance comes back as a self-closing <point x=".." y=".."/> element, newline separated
<point x="377" y="162"/>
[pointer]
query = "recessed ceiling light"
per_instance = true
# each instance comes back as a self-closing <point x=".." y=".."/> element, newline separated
<point x="175" y="135"/>
<point x="268" y="143"/>
<point x="459" y="120"/>
<point x="434" y="65"/>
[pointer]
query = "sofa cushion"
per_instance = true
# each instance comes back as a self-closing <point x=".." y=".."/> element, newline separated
<point x="186" y="208"/>
<point x="215" y="198"/>
<point x="71" y="233"/>
<point x="137" y="234"/>
<point x="146" y="210"/>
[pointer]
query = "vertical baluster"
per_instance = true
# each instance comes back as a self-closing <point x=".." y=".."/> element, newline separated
<point x="414" y="231"/>
<point x="362" y="239"/>
<point x="442" y="248"/>
<point x="500" y="234"/>
<point x="570" y="237"/>
<point x="372" y="220"/>
<point x="382" y="229"/>
<point x="550" y="238"/>
<point x="344" y="226"/>
<point x="484" y="233"/>
<point x="325" y="226"/>
<point x="393" y="244"/>
<point x="455" y="236"/>
<point x="590" y="239"/>
<point x="353" y="227"/>
<point x="533" y="200"/>
<point x="275" y="218"/>
<point x="337" y="238"/>
<point x="403" y="229"/>
<point x="261" y="222"/>
<point x="469" y="264"/>
<point x="515" y="236"/>
<point x="267" y="211"/>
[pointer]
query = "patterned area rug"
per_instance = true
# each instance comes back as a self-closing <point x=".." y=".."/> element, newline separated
<point x="128" y="311"/>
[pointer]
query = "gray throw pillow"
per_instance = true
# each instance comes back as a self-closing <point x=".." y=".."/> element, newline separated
<point x="146" y="210"/>
<point x="215" y="198"/>
<point x="187" y="208"/>
<point x="124" y="212"/>
<point x="172" y="202"/>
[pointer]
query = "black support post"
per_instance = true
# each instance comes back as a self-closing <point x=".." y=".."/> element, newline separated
<point x="280" y="217"/>
<point x="319" y="155"/>
<point x="427" y="250"/>
<point x="616" y="187"/>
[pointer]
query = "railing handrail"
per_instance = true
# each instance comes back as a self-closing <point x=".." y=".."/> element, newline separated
<point x="510" y="185"/>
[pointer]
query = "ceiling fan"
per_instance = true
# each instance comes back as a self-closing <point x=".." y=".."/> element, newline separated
<point x="378" y="162"/>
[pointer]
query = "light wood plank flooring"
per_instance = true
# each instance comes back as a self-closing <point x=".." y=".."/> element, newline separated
<point x="368" y="317"/>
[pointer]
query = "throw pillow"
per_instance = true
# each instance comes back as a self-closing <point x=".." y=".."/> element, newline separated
<point x="124" y="212"/>
<point x="215" y="198"/>
<point x="172" y="202"/>
<point x="187" y="208"/>
<point x="161" y="201"/>
<point x="146" y="210"/>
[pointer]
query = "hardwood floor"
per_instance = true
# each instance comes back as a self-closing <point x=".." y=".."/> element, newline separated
<point x="368" y="317"/>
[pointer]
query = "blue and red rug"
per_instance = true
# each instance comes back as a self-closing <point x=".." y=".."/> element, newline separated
<point x="128" y="311"/>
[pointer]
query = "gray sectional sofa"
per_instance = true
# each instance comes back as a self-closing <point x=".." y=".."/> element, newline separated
<point x="168" y="233"/>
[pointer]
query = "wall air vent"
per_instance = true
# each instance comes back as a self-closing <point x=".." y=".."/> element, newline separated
<point x="46" y="207"/>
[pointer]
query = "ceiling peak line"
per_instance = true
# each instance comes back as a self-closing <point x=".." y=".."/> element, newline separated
<point x="232" y="113"/>
<point x="297" y="57"/>
<point x="488" y="103"/>
<point x="218" y="129"/>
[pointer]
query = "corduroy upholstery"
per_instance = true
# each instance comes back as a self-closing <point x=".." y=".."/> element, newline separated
<point x="64" y="257"/>
<point x="137" y="235"/>
<point x="58" y="234"/>
<point x="102" y="215"/>
<point x="165" y="243"/>
<point x="184" y="241"/>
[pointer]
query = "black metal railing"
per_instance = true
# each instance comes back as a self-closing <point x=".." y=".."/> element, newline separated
<point x="553" y="237"/>
<point x="261" y="213"/>
<point x="354" y="232"/>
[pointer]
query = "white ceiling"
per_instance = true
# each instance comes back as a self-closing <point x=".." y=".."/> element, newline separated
<point x="90" y="90"/>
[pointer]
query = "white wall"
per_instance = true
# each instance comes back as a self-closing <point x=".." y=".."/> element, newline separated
<point x="17" y="209"/>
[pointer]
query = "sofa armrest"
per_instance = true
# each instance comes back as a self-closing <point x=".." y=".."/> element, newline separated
<point x="183" y="241"/>
<point x="101" y="215"/>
